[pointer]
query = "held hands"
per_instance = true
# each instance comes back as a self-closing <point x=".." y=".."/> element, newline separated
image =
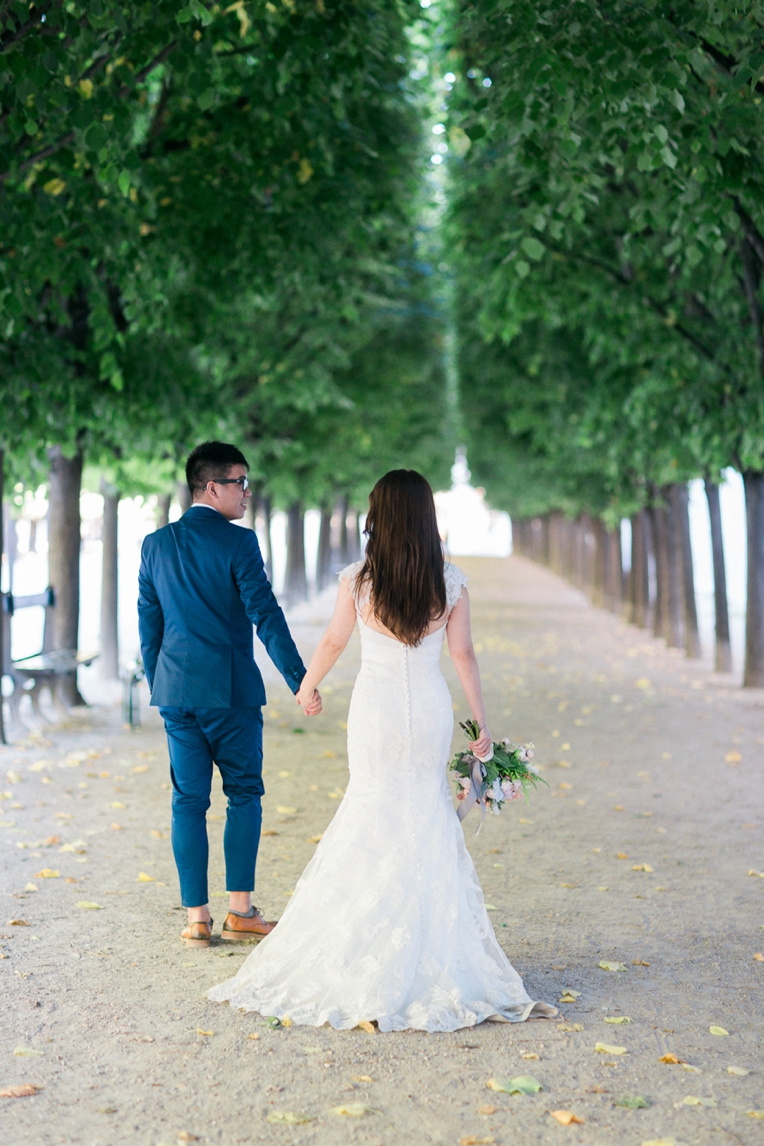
<point x="311" y="702"/>
<point x="484" y="745"/>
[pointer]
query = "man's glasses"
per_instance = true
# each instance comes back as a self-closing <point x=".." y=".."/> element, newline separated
<point x="242" y="481"/>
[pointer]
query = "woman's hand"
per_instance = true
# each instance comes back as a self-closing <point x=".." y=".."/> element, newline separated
<point x="311" y="702"/>
<point x="484" y="745"/>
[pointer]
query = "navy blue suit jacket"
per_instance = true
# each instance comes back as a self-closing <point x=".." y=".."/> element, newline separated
<point x="202" y="586"/>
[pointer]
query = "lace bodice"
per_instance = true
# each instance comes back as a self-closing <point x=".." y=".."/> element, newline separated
<point x="454" y="578"/>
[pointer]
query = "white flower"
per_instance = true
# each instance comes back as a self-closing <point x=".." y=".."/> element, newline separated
<point x="532" y="768"/>
<point x="495" y="791"/>
<point x="529" y="753"/>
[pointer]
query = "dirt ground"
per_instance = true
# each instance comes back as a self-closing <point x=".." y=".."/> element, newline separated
<point x="645" y="853"/>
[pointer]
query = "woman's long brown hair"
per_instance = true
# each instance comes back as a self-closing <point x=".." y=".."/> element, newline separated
<point x="404" y="556"/>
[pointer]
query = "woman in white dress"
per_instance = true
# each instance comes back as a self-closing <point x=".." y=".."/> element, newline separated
<point x="387" y="922"/>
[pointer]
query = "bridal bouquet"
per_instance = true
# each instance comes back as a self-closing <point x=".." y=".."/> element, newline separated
<point x="491" y="780"/>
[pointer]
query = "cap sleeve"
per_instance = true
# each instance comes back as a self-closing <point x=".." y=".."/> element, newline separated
<point x="455" y="582"/>
<point x="350" y="575"/>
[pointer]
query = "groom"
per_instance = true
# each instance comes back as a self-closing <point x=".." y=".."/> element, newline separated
<point x="202" y="587"/>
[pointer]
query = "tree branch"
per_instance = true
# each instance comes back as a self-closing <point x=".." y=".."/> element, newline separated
<point x="158" y="59"/>
<point x="751" y="231"/>
<point x="51" y="149"/>
<point x="28" y="26"/>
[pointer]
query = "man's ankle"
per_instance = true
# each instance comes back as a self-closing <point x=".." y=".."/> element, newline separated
<point x="199" y="914"/>
<point x="240" y="902"/>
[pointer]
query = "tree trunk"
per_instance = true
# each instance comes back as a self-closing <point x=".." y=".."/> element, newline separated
<point x="753" y="676"/>
<point x="110" y="583"/>
<point x="184" y="496"/>
<point x="722" y="651"/>
<point x="324" y="556"/>
<point x="266" y="508"/>
<point x="296" y="586"/>
<point x="64" y="559"/>
<point x="342" y="508"/>
<point x="675" y="634"/>
<point x="163" y="510"/>
<point x="598" y="562"/>
<point x="11" y="543"/>
<point x="4" y="617"/>
<point x="614" y="580"/>
<point x="681" y="500"/>
<point x="354" y="535"/>
<point x="640" y="577"/>
<point x="662" y="576"/>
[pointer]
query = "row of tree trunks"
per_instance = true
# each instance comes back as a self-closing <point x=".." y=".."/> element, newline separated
<point x="339" y="544"/>
<point x="658" y="591"/>
<point x="64" y="534"/>
<point x="110" y="583"/>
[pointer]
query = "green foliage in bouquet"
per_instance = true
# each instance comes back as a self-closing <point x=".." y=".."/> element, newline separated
<point x="509" y="765"/>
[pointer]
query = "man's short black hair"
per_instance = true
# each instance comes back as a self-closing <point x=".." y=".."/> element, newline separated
<point x="211" y="461"/>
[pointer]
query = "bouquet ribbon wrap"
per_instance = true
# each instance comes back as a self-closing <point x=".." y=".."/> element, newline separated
<point x="475" y="791"/>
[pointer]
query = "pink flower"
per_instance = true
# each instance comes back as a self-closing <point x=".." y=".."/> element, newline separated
<point x="512" y="789"/>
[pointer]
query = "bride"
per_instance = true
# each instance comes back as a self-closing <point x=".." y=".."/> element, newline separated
<point x="387" y="922"/>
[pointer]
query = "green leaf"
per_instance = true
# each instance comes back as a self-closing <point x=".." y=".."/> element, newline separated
<point x="522" y="268"/>
<point x="633" y="1102"/>
<point x="533" y="248"/>
<point x="668" y="157"/>
<point x="30" y="127"/>
<point x="96" y="138"/>
<point x="475" y="131"/>
<point x="123" y="182"/>
<point x="677" y="100"/>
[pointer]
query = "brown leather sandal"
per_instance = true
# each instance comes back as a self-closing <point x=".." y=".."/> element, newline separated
<point x="197" y="934"/>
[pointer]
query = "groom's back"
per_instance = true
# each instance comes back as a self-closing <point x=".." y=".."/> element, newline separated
<point x="205" y="658"/>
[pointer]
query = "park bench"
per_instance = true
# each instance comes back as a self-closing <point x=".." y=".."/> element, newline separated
<point x="30" y="675"/>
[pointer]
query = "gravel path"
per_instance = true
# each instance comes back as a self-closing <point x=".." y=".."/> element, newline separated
<point x="640" y="855"/>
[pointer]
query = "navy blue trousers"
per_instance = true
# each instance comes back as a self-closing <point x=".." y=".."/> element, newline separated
<point x="232" y="738"/>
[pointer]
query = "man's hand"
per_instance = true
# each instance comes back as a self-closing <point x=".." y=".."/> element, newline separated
<point x="311" y="705"/>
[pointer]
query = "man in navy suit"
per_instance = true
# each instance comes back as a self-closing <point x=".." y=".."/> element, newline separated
<point x="202" y="587"/>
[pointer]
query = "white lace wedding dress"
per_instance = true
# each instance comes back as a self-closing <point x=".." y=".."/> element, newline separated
<point x="387" y="921"/>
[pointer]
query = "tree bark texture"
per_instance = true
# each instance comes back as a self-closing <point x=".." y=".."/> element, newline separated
<point x="266" y="509"/>
<point x="639" y="578"/>
<point x="342" y="510"/>
<point x="599" y="556"/>
<point x="753" y="676"/>
<point x="614" y="579"/>
<point x="64" y="527"/>
<point x="184" y="496"/>
<point x="660" y="549"/>
<point x="681" y="502"/>
<point x="296" y="587"/>
<point x="675" y="627"/>
<point x="722" y="650"/>
<point x="324" y="555"/>
<point x="163" y="510"/>
<point x="110" y="584"/>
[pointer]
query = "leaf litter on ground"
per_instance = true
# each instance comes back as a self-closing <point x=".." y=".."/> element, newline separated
<point x="523" y="1084"/>
<point x="633" y="1102"/>
<point x="354" y="1109"/>
<point x="606" y="966"/>
<point x="565" y="1117"/>
<point x="606" y="1048"/>
<point x="20" y="1090"/>
<point x="288" y="1117"/>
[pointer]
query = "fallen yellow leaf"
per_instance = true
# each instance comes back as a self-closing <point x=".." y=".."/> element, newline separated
<point x="17" y="923"/>
<point x="693" y="1100"/>
<point x="30" y="887"/>
<point x="287" y="1117"/>
<point x="144" y="878"/>
<point x="739" y="1071"/>
<point x="670" y="1058"/>
<point x="315" y="839"/>
<point x="760" y="874"/>
<point x="487" y="1109"/>
<point x="759" y="957"/>
<point x="659" y="1142"/>
<point x="733" y="758"/>
<point x="571" y="1026"/>
<point x="22" y="1090"/>
<point x="639" y="963"/>
<point x="641" y="867"/>
<point x="27" y="1052"/>
<point x="471" y="1140"/>
<point x="621" y="856"/>
<point x="529" y="1054"/>
<point x="565" y="1116"/>
<point x="612" y="966"/>
<point x="354" y="1109"/>
<point x="718" y="1031"/>
<point x="362" y="1078"/>
<point x="47" y="873"/>
<point x="250" y="1036"/>
<point x="755" y="1113"/>
<point x="605" y="1048"/>
<point x="365" y="1025"/>
<point x="642" y="682"/>
<point x="285" y="809"/>
<point x="86" y="905"/>
<point x="208" y="1034"/>
<point x="618" y="1019"/>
